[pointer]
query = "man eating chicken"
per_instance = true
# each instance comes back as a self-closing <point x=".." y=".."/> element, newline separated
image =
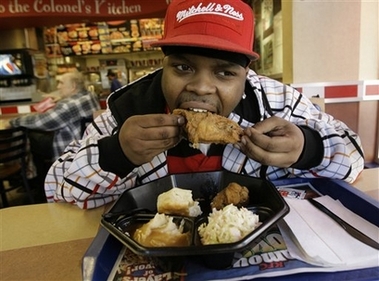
<point x="207" y="47"/>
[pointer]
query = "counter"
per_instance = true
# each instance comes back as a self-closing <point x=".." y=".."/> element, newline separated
<point x="4" y="120"/>
<point x="19" y="108"/>
<point x="47" y="241"/>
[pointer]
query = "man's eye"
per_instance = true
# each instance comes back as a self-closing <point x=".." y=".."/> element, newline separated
<point x="183" y="67"/>
<point x="226" y="73"/>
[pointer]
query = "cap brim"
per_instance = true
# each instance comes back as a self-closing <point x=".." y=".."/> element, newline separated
<point x="205" y="41"/>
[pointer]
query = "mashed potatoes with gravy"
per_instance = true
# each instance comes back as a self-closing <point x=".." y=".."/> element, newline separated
<point x="228" y="225"/>
<point x="161" y="231"/>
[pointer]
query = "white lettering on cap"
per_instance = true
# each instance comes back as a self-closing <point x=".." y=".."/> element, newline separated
<point x="212" y="8"/>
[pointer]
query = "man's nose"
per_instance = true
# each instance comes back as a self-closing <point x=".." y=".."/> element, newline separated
<point x="202" y="84"/>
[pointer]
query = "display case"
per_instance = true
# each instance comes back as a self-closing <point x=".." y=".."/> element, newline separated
<point x="111" y="37"/>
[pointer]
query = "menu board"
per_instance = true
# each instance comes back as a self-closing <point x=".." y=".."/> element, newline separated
<point x="52" y="48"/>
<point x="103" y="38"/>
<point x="124" y="36"/>
<point x="79" y="39"/>
<point x="151" y="30"/>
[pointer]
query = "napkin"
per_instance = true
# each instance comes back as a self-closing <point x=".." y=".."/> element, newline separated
<point x="315" y="238"/>
<point x="44" y="105"/>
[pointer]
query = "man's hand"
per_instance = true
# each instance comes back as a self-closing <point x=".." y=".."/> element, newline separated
<point x="273" y="142"/>
<point x="54" y="96"/>
<point x="142" y="137"/>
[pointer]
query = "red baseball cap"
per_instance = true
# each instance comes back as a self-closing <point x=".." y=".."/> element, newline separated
<point x="226" y="25"/>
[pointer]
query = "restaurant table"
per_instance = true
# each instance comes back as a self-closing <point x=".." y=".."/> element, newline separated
<point x="368" y="182"/>
<point x="4" y="119"/>
<point x="48" y="241"/>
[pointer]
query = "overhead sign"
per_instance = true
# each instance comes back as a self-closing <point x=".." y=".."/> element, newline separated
<point x="38" y="13"/>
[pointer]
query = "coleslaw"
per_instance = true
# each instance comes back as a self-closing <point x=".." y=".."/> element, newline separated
<point x="228" y="225"/>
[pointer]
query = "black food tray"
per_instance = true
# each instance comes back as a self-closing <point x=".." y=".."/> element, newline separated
<point x="139" y="205"/>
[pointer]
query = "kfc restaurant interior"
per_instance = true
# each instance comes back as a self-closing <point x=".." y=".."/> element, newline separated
<point x="328" y="50"/>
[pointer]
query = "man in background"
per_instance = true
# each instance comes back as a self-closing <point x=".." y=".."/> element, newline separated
<point x="115" y="83"/>
<point x="64" y="119"/>
<point x="51" y="131"/>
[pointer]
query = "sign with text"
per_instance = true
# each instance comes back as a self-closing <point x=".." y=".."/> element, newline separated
<point x="54" y="12"/>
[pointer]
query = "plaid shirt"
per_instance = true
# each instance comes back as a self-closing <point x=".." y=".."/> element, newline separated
<point x="64" y="120"/>
<point x="78" y="178"/>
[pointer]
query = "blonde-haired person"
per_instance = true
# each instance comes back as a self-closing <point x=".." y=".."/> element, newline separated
<point x="73" y="102"/>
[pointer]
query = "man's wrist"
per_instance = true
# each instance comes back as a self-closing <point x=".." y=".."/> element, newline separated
<point x="313" y="150"/>
<point x="109" y="147"/>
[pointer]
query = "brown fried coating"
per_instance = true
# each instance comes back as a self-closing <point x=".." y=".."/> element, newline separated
<point x="206" y="127"/>
<point x="234" y="193"/>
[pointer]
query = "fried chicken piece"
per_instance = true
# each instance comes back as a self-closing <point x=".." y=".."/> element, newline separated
<point x="234" y="193"/>
<point x="206" y="127"/>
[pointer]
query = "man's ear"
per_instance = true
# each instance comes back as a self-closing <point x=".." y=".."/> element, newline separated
<point x="73" y="86"/>
<point x="247" y="69"/>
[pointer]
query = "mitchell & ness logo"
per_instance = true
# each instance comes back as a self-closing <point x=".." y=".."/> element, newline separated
<point x="211" y="8"/>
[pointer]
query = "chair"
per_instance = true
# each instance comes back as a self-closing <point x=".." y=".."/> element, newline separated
<point x="13" y="161"/>
<point x="84" y="122"/>
<point x="41" y="149"/>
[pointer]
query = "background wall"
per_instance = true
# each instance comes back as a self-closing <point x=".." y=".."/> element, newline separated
<point x="19" y="39"/>
<point x="335" y="40"/>
<point x="332" y="41"/>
